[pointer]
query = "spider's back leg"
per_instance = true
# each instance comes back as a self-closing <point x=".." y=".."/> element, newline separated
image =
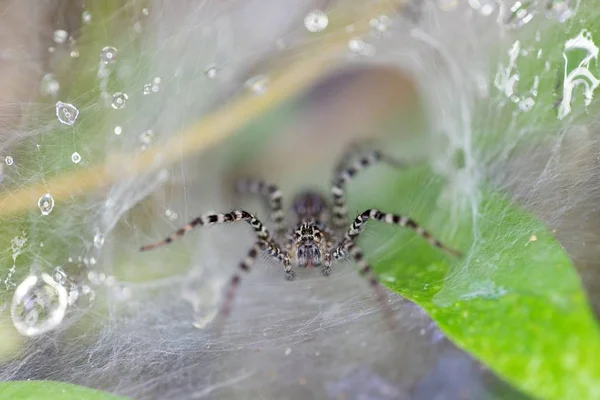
<point x="272" y="196"/>
<point x="340" y="211"/>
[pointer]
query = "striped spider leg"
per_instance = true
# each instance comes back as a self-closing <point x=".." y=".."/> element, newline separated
<point x="272" y="196"/>
<point x="344" y="175"/>
<point x="264" y="243"/>
<point x="348" y="244"/>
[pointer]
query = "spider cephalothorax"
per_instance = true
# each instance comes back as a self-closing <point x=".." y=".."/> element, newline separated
<point x="310" y="242"/>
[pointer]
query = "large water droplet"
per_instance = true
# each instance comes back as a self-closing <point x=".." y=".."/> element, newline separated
<point x="60" y="36"/>
<point x="119" y="100"/>
<point x="46" y="204"/>
<point x="38" y="305"/>
<point x="316" y="21"/>
<point x="76" y="157"/>
<point x="66" y="113"/>
<point x="9" y="160"/>
<point x="108" y="55"/>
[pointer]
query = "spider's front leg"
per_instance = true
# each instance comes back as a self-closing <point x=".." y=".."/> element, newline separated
<point x="405" y="222"/>
<point x="235" y="216"/>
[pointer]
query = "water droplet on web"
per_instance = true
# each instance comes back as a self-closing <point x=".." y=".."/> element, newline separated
<point x="147" y="89"/>
<point x="211" y="71"/>
<point x="66" y="113"/>
<point x="258" y="84"/>
<point x="288" y="351"/>
<point x="108" y="55"/>
<point x="484" y="7"/>
<point x="118" y="130"/>
<point x="74" y="53"/>
<point x="60" y="36"/>
<point x="172" y="215"/>
<point x="38" y="305"/>
<point x="98" y="240"/>
<point x="119" y="100"/>
<point x="560" y="10"/>
<point x="86" y="17"/>
<point x="521" y="13"/>
<point x="526" y="104"/>
<point x="146" y="137"/>
<point x="46" y="204"/>
<point x="316" y="21"/>
<point x="145" y="12"/>
<point x="380" y="25"/>
<point x="9" y="160"/>
<point x="50" y="85"/>
<point x="59" y="275"/>
<point x="76" y="157"/>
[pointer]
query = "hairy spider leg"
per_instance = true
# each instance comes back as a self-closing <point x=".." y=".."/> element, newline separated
<point x="273" y="251"/>
<point x="273" y="197"/>
<point x="406" y="222"/>
<point x="366" y="271"/>
<point x="340" y="211"/>
<point x="235" y="216"/>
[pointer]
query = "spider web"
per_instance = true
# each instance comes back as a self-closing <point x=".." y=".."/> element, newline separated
<point x="136" y="324"/>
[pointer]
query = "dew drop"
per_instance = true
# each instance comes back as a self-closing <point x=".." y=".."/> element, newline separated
<point x="50" y="85"/>
<point x="76" y="157"/>
<point x="75" y="54"/>
<point x="108" y="55"/>
<point x="147" y="89"/>
<point x="46" y="204"/>
<point x="86" y="17"/>
<point x="66" y="113"/>
<point x="521" y="13"/>
<point x="526" y="104"/>
<point x="119" y="100"/>
<point x="145" y="12"/>
<point x="211" y="71"/>
<point x="146" y="137"/>
<point x="258" y="84"/>
<point x="118" y="130"/>
<point x="380" y="25"/>
<point x="9" y="160"/>
<point x="59" y="275"/>
<point x="99" y="240"/>
<point x="38" y="305"/>
<point x="316" y="21"/>
<point x="60" y="36"/>
<point x="560" y="10"/>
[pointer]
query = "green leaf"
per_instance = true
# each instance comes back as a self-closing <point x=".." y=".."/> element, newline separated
<point x="51" y="390"/>
<point x="514" y="301"/>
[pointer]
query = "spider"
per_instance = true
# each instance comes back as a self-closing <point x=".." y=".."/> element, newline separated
<point x="311" y="242"/>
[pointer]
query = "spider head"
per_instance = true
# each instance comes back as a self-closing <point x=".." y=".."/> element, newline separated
<point x="308" y="245"/>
